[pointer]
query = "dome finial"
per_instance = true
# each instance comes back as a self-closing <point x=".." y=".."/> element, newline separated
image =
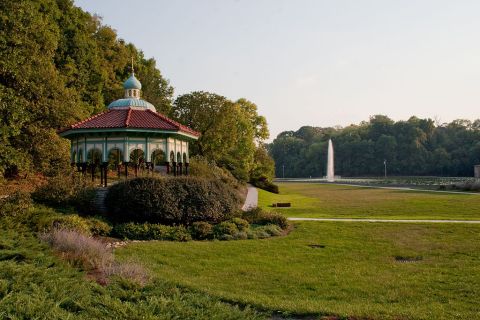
<point x="133" y="71"/>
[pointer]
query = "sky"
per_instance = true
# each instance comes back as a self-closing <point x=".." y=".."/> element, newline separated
<point x="313" y="62"/>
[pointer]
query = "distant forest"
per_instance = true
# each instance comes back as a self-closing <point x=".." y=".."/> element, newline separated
<point x="413" y="147"/>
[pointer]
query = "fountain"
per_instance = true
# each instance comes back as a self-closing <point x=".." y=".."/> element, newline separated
<point x="330" y="168"/>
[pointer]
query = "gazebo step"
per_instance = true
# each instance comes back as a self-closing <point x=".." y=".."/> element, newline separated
<point x="99" y="200"/>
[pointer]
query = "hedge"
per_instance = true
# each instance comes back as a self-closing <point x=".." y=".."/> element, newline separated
<point x="169" y="201"/>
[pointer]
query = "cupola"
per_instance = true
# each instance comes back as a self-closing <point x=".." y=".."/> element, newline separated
<point x="132" y="87"/>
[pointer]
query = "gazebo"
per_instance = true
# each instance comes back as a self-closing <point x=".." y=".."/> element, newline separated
<point x="130" y="133"/>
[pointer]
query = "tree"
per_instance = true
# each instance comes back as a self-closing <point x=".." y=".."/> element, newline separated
<point x="58" y="65"/>
<point x="228" y="129"/>
<point x="412" y="147"/>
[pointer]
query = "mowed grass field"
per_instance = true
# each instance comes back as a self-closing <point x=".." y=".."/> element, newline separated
<point x="346" y="269"/>
<point x="367" y="270"/>
<point x="314" y="200"/>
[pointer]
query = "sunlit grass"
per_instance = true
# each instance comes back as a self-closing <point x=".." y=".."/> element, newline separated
<point x="356" y="269"/>
<point x="335" y="201"/>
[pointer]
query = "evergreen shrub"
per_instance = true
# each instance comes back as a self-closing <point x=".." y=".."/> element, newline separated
<point x="261" y="217"/>
<point x="180" y="200"/>
<point x="71" y="222"/>
<point x="265" y="184"/>
<point x="149" y="231"/>
<point x="225" y="228"/>
<point x="201" y="230"/>
<point x="15" y="204"/>
<point x="98" y="227"/>
<point x="241" y="224"/>
<point x="65" y="190"/>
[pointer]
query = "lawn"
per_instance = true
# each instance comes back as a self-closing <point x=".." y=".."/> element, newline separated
<point x="35" y="284"/>
<point x="378" y="270"/>
<point x="314" y="200"/>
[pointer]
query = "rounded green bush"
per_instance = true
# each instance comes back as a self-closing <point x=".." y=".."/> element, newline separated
<point x="64" y="190"/>
<point x="98" y="227"/>
<point x="272" y="229"/>
<point x="225" y="228"/>
<point x="68" y="222"/>
<point x="241" y="235"/>
<point x="261" y="217"/>
<point x="201" y="230"/>
<point x="181" y="200"/>
<point x="241" y="224"/>
<point x="149" y="231"/>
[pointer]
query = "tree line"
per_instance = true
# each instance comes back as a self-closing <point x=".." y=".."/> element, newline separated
<point x="412" y="147"/>
<point x="60" y="64"/>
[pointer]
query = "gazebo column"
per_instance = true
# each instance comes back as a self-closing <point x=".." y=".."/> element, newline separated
<point x="105" y="171"/>
<point x="167" y="164"/>
<point x="149" y="167"/>
<point x="119" y="169"/>
<point x="180" y="169"/>
<point x="186" y="168"/>
<point x="126" y="169"/>
<point x="174" y="166"/>
<point x="84" y="168"/>
<point x="101" y="175"/>
<point x="93" y="171"/>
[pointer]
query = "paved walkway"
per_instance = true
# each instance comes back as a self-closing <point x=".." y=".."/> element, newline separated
<point x="385" y="220"/>
<point x="252" y="198"/>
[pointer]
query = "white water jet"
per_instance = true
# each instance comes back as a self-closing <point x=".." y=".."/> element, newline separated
<point x="330" y="168"/>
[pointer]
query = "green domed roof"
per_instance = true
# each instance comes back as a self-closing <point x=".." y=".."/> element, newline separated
<point x="131" y="102"/>
<point x="132" y="83"/>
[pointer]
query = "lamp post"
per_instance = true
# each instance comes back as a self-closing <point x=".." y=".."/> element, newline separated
<point x="385" y="167"/>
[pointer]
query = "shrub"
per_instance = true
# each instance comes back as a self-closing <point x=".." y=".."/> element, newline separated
<point x="241" y="235"/>
<point x="15" y="204"/>
<point x="131" y="271"/>
<point x="91" y="254"/>
<point x="147" y="231"/>
<point x="262" y="234"/>
<point x="202" y="168"/>
<point x="180" y="233"/>
<point x="271" y="229"/>
<point x="258" y="216"/>
<point x="241" y="224"/>
<point x="201" y="230"/>
<point x="64" y="190"/>
<point x="265" y="184"/>
<point x="80" y="250"/>
<point x="181" y="200"/>
<point x="71" y="222"/>
<point x="464" y="186"/>
<point x="83" y="200"/>
<point x="98" y="227"/>
<point x="225" y="228"/>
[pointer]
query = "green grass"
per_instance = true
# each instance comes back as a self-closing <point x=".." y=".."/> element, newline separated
<point x="34" y="284"/>
<point x="311" y="200"/>
<point x="355" y="274"/>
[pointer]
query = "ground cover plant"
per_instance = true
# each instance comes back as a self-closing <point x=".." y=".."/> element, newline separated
<point x="311" y="200"/>
<point x="364" y="270"/>
<point x="36" y="284"/>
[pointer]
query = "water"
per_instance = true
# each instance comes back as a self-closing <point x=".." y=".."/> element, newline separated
<point x="330" y="166"/>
